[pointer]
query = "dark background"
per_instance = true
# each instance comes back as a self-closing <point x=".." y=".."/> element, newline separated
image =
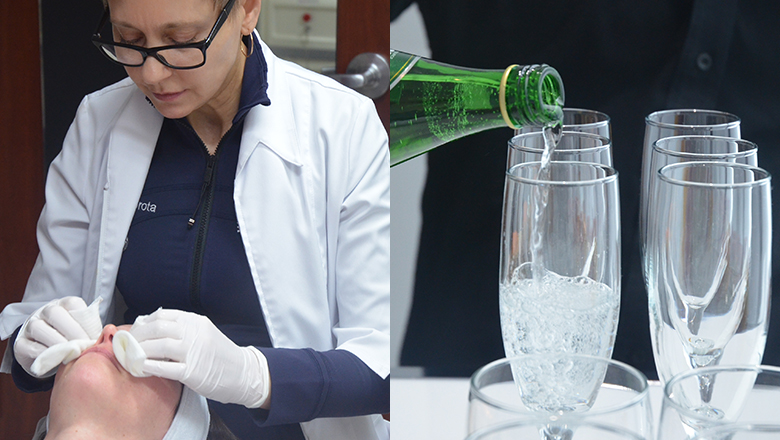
<point x="72" y="65"/>
<point x="626" y="59"/>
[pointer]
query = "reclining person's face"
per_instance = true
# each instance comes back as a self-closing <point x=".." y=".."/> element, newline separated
<point x="94" y="397"/>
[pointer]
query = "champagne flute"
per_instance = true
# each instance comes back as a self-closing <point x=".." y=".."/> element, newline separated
<point x="616" y="394"/>
<point x="572" y="146"/>
<point x="679" y="122"/>
<point x="560" y="262"/>
<point x="709" y="283"/>
<point x="742" y="404"/>
<point x="692" y="148"/>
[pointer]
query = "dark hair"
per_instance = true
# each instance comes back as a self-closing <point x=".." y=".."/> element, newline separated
<point x="217" y="428"/>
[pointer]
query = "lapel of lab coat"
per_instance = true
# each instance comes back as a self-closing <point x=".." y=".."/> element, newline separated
<point x="273" y="128"/>
<point x="131" y="146"/>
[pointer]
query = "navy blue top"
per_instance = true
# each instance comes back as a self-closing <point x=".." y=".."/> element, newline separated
<point x="184" y="251"/>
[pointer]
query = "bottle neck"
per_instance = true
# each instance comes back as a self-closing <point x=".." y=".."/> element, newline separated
<point x="531" y="95"/>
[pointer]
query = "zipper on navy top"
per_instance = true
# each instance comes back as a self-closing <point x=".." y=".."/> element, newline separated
<point x="200" y="241"/>
<point x="207" y="191"/>
<point x="208" y="178"/>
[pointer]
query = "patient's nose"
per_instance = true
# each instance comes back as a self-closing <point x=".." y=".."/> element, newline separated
<point x="107" y="336"/>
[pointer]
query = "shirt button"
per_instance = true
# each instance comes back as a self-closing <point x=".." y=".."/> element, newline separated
<point x="704" y="61"/>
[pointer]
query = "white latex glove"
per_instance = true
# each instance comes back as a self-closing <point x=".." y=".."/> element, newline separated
<point x="61" y="321"/>
<point x="189" y="348"/>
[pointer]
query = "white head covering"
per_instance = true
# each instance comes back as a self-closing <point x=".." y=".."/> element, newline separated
<point x="192" y="419"/>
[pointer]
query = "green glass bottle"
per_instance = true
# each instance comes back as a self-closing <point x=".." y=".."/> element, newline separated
<point x="432" y="103"/>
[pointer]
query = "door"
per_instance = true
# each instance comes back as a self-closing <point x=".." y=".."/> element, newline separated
<point x="364" y="26"/>
<point x="21" y="187"/>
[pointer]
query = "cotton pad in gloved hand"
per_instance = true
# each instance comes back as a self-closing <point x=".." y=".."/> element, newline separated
<point x="89" y="318"/>
<point x="58" y="354"/>
<point x="129" y="353"/>
<point x="62" y="353"/>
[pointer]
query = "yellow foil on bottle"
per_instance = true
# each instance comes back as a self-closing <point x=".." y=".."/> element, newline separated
<point x="502" y="96"/>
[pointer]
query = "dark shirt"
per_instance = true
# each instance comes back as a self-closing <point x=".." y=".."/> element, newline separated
<point x="626" y="59"/>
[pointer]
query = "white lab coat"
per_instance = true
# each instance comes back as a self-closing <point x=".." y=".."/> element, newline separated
<point x="312" y="201"/>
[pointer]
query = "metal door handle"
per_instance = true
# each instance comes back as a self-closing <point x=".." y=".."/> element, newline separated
<point x="367" y="73"/>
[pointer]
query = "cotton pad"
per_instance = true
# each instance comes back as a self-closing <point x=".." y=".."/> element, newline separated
<point x="129" y="353"/>
<point x="89" y="318"/>
<point x="59" y="354"/>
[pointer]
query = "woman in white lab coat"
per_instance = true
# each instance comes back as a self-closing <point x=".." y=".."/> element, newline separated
<point x="245" y="196"/>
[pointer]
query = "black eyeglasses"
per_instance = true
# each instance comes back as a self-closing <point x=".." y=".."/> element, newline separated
<point x="177" y="56"/>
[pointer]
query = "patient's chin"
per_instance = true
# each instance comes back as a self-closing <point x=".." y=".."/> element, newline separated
<point x="96" y="375"/>
<point x="87" y="382"/>
<point x="92" y="389"/>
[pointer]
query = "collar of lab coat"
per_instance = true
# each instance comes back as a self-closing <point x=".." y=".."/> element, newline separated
<point x="272" y="126"/>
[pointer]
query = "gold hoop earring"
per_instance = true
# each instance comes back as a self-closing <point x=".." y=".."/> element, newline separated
<point x="249" y="42"/>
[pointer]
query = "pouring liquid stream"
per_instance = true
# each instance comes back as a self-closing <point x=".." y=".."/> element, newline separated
<point x="552" y="135"/>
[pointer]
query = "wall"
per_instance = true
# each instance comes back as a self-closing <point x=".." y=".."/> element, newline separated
<point x="407" y="33"/>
